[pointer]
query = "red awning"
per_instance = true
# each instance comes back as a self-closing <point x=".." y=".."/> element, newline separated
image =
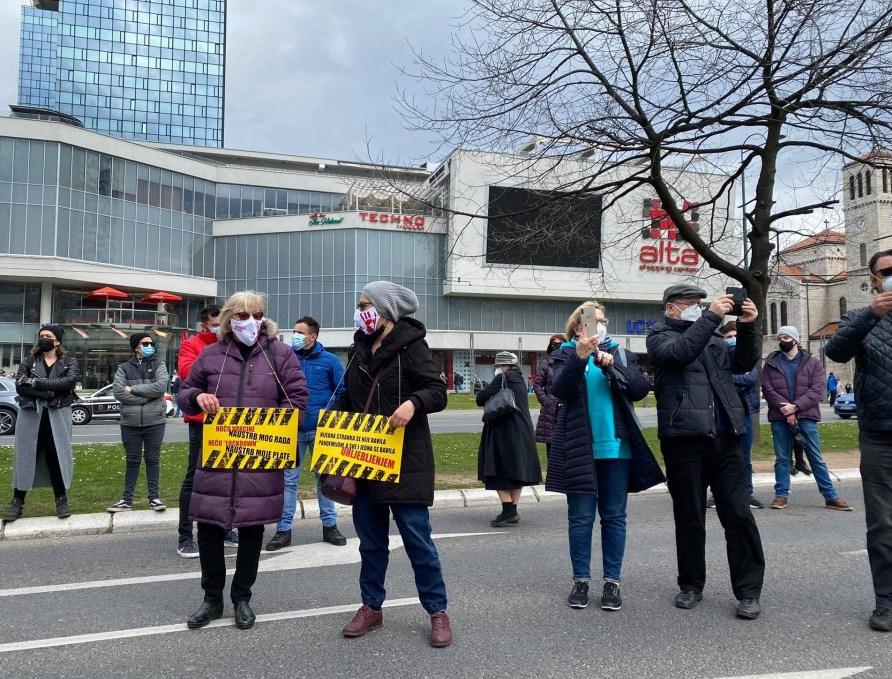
<point x="108" y="293"/>
<point x="165" y="297"/>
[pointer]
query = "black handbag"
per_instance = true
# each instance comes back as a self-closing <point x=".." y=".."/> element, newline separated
<point x="501" y="404"/>
<point x="343" y="489"/>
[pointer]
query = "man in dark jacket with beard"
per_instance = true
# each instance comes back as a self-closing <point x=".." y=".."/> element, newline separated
<point x="866" y="336"/>
<point x="701" y="419"/>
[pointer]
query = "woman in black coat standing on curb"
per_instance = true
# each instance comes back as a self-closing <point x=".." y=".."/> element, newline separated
<point x="508" y="459"/>
<point x="391" y="369"/>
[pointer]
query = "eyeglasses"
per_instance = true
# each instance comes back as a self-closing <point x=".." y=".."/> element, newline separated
<point x="147" y="343"/>
<point x="362" y="306"/>
<point x="244" y="316"/>
<point x="884" y="272"/>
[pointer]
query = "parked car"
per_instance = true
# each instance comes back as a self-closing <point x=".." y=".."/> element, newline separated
<point x="9" y="409"/>
<point x="102" y="405"/>
<point x="845" y="406"/>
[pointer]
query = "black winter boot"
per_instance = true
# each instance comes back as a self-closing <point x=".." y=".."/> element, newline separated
<point x="508" y="516"/>
<point x="16" y="507"/>
<point x="62" y="510"/>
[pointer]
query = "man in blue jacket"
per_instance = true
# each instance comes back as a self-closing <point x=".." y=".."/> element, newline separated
<point x="325" y="379"/>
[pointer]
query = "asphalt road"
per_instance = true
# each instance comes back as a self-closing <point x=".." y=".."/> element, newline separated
<point x="507" y="603"/>
<point x="449" y="421"/>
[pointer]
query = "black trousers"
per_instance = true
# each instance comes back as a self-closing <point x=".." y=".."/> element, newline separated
<point x="213" y="565"/>
<point x="876" y="478"/>
<point x="692" y="464"/>
<point x="185" y="527"/>
<point x="46" y="448"/>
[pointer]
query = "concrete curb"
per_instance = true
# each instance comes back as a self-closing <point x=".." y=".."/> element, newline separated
<point x="147" y="520"/>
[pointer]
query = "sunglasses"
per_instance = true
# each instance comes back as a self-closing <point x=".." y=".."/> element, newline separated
<point x="147" y="343"/>
<point x="244" y="316"/>
<point x="884" y="272"/>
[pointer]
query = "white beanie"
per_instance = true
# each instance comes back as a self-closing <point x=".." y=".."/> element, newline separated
<point x="789" y="330"/>
<point x="392" y="301"/>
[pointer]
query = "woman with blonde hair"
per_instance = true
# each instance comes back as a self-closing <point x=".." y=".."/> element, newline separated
<point x="598" y="454"/>
<point x="248" y="367"/>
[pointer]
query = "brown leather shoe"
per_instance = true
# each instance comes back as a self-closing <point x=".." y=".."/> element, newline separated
<point x="441" y="630"/>
<point x="839" y="504"/>
<point x="779" y="503"/>
<point x="365" y="620"/>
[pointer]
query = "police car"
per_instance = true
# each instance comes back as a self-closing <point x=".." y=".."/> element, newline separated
<point x="102" y="405"/>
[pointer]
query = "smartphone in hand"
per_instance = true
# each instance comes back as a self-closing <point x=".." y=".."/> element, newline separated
<point x="740" y="295"/>
<point x="589" y="322"/>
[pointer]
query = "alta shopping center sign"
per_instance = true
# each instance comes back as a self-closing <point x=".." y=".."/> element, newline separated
<point x="667" y="252"/>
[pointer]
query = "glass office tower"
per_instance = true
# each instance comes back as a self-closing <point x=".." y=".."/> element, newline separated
<point x="150" y="70"/>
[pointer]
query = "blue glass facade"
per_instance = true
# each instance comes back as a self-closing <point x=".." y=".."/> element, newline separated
<point x="37" y="62"/>
<point x="136" y="69"/>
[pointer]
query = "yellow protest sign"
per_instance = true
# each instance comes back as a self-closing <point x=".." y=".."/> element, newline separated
<point x="357" y="445"/>
<point x="256" y="439"/>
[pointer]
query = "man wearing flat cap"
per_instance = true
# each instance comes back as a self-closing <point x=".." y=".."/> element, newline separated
<point x="701" y="419"/>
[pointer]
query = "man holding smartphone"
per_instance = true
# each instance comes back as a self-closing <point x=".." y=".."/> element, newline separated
<point x="866" y="335"/>
<point x="701" y="420"/>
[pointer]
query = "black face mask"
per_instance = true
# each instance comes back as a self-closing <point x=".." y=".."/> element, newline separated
<point x="786" y="346"/>
<point x="553" y="347"/>
<point x="45" y="344"/>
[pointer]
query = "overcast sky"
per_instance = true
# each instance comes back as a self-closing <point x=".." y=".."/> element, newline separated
<point x="311" y="77"/>
<point x="319" y="78"/>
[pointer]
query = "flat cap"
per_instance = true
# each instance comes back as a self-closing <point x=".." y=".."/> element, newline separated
<point x="680" y="290"/>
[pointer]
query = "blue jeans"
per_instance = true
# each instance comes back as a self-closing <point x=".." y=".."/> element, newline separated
<point x="613" y="489"/>
<point x="327" y="511"/>
<point x="372" y="523"/>
<point x="746" y="448"/>
<point x="783" y="451"/>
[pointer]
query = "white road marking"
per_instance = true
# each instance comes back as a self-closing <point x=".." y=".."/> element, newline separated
<point x="857" y="552"/>
<point x="181" y="627"/>
<point x="314" y="555"/>
<point x="813" y="674"/>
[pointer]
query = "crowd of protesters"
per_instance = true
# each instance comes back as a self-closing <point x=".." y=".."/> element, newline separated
<point x="706" y="378"/>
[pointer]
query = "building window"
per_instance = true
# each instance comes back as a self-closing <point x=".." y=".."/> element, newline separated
<point x="862" y="254"/>
<point x="852" y="187"/>
<point x="860" y="185"/>
<point x="885" y="181"/>
<point x="783" y="313"/>
<point x="867" y="183"/>
<point x="843" y="307"/>
<point x="773" y="313"/>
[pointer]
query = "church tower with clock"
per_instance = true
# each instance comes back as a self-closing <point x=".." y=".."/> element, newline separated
<point x="867" y="204"/>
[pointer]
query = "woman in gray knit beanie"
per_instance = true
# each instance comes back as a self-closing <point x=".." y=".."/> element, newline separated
<point x="392" y="301"/>
<point x="391" y="372"/>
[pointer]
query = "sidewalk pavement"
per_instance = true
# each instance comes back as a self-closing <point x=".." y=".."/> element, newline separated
<point x="147" y="520"/>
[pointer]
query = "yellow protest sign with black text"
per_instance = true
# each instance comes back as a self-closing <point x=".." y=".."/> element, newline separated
<point x="357" y="445"/>
<point x="253" y="439"/>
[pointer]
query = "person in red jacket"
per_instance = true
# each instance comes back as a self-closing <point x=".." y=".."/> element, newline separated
<point x="209" y="319"/>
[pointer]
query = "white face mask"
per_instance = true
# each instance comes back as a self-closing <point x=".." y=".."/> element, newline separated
<point x="601" y="329"/>
<point x="245" y="331"/>
<point x="887" y="284"/>
<point x="215" y="329"/>
<point x="366" y="319"/>
<point x="498" y="371"/>
<point x="692" y="313"/>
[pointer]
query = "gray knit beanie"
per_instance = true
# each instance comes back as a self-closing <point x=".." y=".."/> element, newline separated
<point x="391" y="300"/>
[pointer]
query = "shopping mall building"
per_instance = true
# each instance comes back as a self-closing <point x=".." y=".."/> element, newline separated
<point x="166" y="229"/>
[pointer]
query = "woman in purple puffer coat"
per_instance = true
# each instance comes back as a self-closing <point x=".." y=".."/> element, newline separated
<point x="247" y="367"/>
